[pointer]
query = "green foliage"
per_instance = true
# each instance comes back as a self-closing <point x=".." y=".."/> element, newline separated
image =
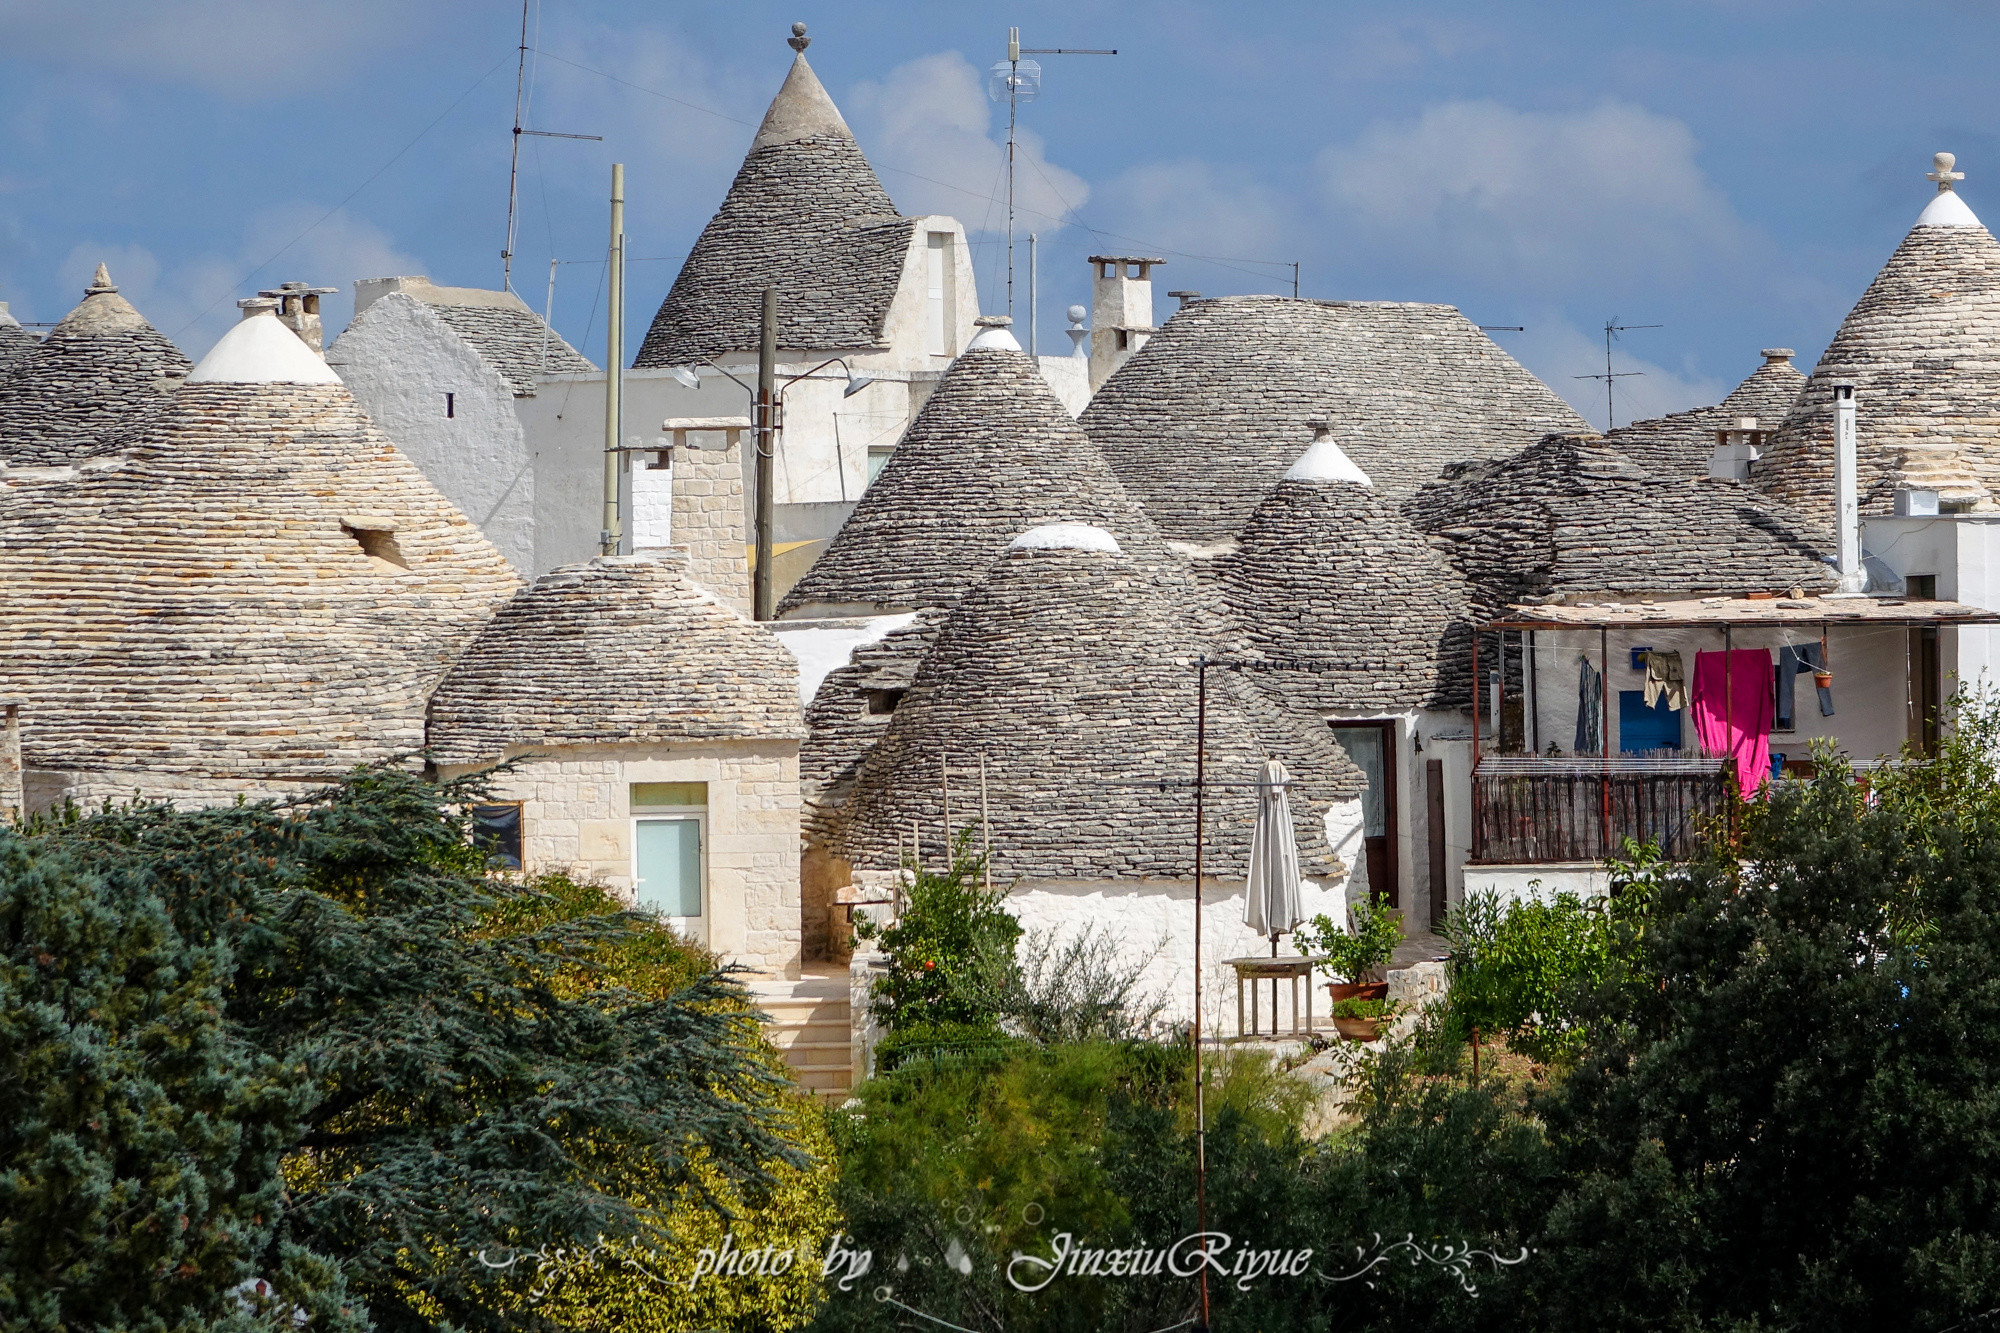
<point x="139" y="1137"/>
<point x="1361" y="1009"/>
<point x="465" y="1092"/>
<point x="1352" y="954"/>
<point x="1078" y="989"/>
<point x="950" y="949"/>
<point x="1526" y="970"/>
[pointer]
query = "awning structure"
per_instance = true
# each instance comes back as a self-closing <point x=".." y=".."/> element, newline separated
<point x="1719" y="612"/>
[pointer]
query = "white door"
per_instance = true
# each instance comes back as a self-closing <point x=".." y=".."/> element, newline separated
<point x="668" y="871"/>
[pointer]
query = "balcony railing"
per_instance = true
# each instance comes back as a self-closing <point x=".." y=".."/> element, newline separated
<point x="1528" y="809"/>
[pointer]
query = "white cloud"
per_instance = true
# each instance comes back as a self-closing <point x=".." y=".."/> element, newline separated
<point x="1197" y="207"/>
<point x="251" y="49"/>
<point x="193" y="301"/>
<point x="1558" y="352"/>
<point x="1571" y="200"/>
<point x="931" y="131"/>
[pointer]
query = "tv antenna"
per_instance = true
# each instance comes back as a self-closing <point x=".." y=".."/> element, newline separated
<point x="1612" y="328"/>
<point x="1019" y="81"/>
<point x="514" y="166"/>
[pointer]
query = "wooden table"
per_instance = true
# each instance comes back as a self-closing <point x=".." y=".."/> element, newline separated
<point x="1290" y="967"/>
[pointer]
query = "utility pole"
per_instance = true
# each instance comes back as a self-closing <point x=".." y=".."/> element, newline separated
<point x="1612" y="328"/>
<point x="611" y="538"/>
<point x="514" y="163"/>
<point x="763" y="441"/>
<point x="1031" y="294"/>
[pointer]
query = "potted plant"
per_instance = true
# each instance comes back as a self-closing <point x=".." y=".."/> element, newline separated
<point x="1361" y="1020"/>
<point x="1352" y="954"/>
<point x="1823" y="679"/>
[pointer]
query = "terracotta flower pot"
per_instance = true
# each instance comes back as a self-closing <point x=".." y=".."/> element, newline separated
<point x="1823" y="679"/>
<point x="1359" y="1029"/>
<point x="1366" y="990"/>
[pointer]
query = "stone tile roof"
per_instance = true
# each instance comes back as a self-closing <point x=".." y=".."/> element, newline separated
<point x="1922" y="348"/>
<point x="96" y="371"/>
<point x="1569" y="519"/>
<point x="841" y="725"/>
<point x="257" y="584"/>
<point x="619" y="651"/>
<point x="1679" y="445"/>
<point x="1208" y="415"/>
<point x="15" y="341"/>
<point x="1071" y="672"/>
<point x="1327" y="572"/>
<point x="514" y="340"/>
<point x="991" y="454"/>
<point x="806" y="215"/>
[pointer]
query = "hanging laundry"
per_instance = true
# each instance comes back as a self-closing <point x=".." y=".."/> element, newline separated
<point x="1734" y="709"/>
<point x="1589" y="709"/>
<point x="1664" y="675"/>
<point x="1792" y="659"/>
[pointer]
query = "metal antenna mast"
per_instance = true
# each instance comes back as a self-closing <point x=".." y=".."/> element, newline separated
<point x="1612" y="328"/>
<point x="1021" y="80"/>
<point x="514" y="162"/>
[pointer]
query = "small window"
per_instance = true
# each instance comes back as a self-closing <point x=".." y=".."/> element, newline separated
<point x="496" y="830"/>
<point x="1124" y="340"/>
<point x="1921" y="587"/>
<point x="878" y="458"/>
<point x="379" y="545"/>
<point x="655" y="795"/>
<point x="882" y="701"/>
<point x="451" y="404"/>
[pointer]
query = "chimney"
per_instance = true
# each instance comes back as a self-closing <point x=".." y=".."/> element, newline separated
<point x="1736" y="448"/>
<point x="13" y="793"/>
<point x="298" y="310"/>
<point x="1121" y="314"/>
<point x="1846" y="493"/>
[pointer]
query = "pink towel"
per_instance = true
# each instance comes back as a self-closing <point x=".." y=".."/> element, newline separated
<point x="1740" y="727"/>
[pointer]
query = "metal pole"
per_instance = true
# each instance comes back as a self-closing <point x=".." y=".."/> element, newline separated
<point x="1031" y="293"/>
<point x="1475" y="701"/>
<point x="1604" y="736"/>
<point x="612" y="536"/>
<point x="764" y="441"/>
<point x="1200" y="1103"/>
<point x="1013" y="81"/>
<point x="1533" y="698"/>
<point x="514" y="164"/>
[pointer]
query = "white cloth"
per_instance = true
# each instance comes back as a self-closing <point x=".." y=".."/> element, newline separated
<point x="1271" y="903"/>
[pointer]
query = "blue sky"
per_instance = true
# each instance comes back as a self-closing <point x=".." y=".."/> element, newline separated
<point x="1733" y="171"/>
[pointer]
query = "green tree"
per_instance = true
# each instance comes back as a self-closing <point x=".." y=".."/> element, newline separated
<point x="950" y="950"/>
<point x="467" y="1100"/>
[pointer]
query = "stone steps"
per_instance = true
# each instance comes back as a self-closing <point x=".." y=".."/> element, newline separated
<point x="808" y="1020"/>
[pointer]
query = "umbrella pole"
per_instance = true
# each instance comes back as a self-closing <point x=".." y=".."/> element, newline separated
<point x="1200" y="1107"/>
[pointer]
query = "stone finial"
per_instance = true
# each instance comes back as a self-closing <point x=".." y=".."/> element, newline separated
<point x="995" y="321"/>
<point x="1942" y="172"/>
<point x="100" y="283"/>
<point x="798" y="41"/>
<point x="1776" y="354"/>
<point x="1321" y="427"/>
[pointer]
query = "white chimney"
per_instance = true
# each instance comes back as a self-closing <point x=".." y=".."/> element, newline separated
<point x="1846" y="492"/>
<point x="1736" y="448"/>
<point x="1121" y="314"/>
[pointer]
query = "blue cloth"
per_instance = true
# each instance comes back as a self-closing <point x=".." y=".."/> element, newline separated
<point x="1792" y="659"/>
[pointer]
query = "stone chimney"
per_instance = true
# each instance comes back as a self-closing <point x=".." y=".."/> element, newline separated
<point x="1121" y="312"/>
<point x="1736" y="448"/>
<point x="1846" y="491"/>
<point x="297" y="306"/>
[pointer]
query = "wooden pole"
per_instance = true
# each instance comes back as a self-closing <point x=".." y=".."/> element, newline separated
<point x="985" y="821"/>
<point x="944" y="787"/>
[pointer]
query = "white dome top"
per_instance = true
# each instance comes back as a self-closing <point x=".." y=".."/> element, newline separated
<point x="995" y="336"/>
<point x="1326" y="461"/>
<point x="1066" y="537"/>
<point x="1947" y="210"/>
<point x="260" y="350"/>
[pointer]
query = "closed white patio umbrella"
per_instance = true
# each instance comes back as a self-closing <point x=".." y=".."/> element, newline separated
<point x="1271" y="903"/>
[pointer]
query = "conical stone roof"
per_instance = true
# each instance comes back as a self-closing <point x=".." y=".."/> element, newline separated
<point x="15" y="341"/>
<point x="1569" y="519"/>
<point x="98" y="368"/>
<point x="1208" y="415"/>
<point x="1679" y="445"/>
<point x="1922" y="348"/>
<point x="1069" y="670"/>
<point x="991" y="454"/>
<point x="256" y="585"/>
<point x="1326" y="573"/>
<point x="806" y="215"/>
<point x="618" y="651"/>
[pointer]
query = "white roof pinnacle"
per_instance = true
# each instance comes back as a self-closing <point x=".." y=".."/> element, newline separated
<point x="1326" y="461"/>
<point x="995" y="335"/>
<point x="260" y="350"/>
<point x="1066" y="537"/>
<point x="1947" y="210"/>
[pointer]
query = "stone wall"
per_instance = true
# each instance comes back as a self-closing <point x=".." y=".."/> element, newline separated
<point x="704" y="488"/>
<point x="576" y="816"/>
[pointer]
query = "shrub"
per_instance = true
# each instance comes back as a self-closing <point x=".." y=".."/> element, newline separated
<point x="950" y="949"/>
<point x="1352" y="954"/>
<point x="1078" y="990"/>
